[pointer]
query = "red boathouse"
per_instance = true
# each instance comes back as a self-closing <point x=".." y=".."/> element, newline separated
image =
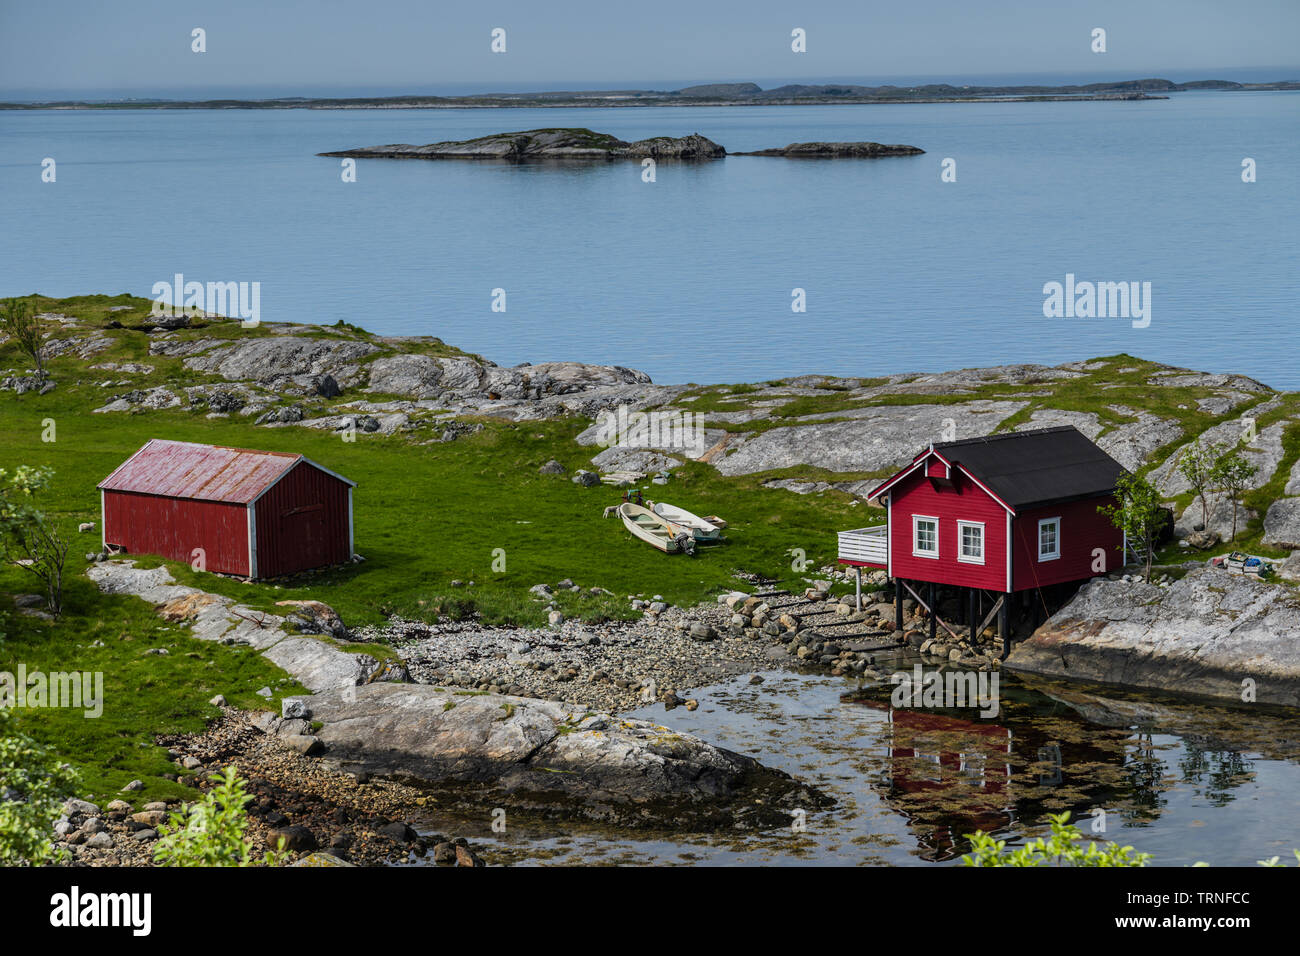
<point x="256" y="514"/>
<point x="1005" y="514"/>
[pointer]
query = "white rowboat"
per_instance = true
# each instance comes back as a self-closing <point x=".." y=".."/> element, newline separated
<point x="649" y="527"/>
<point x="682" y="520"/>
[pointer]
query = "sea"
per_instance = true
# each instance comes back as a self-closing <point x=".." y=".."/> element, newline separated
<point x="739" y="269"/>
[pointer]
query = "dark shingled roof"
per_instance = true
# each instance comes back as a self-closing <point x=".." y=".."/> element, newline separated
<point x="1037" y="466"/>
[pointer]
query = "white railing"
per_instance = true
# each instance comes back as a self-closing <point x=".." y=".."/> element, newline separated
<point x="867" y="545"/>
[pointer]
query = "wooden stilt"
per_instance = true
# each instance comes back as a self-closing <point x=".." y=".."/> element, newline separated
<point x="998" y="605"/>
<point x="857" y="584"/>
<point x="898" y="604"/>
<point x="971" y="613"/>
<point x="929" y="608"/>
<point x="934" y="616"/>
<point x="1004" y="627"/>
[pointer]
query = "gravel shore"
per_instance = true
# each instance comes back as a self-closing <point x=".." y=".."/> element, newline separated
<point x="319" y="810"/>
<point x="610" y="667"/>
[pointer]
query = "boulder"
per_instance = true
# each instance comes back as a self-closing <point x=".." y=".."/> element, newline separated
<point x="316" y="617"/>
<point x="304" y="744"/>
<point x="322" y="859"/>
<point x="1206" y="633"/>
<point x="1282" y="524"/>
<point x="296" y="838"/>
<point x="546" y="756"/>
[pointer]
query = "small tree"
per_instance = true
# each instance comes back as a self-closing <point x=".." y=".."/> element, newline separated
<point x="33" y="786"/>
<point x="1232" y="475"/>
<point x="28" y="538"/>
<point x="18" y="320"/>
<point x="1136" y="512"/>
<point x="1197" y="466"/>
<point x="211" y="831"/>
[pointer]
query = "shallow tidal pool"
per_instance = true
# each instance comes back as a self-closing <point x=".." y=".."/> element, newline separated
<point x="1185" y="782"/>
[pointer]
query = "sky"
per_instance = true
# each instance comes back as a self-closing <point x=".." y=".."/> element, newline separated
<point x="93" y="48"/>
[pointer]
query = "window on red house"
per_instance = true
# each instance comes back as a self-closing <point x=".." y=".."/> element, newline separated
<point x="1049" y="539"/>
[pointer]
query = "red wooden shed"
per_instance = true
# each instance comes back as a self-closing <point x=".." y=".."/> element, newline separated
<point x="256" y="514"/>
<point x="1005" y="513"/>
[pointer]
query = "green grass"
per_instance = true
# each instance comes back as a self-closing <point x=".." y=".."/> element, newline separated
<point x="425" y="515"/>
<point x="144" y="694"/>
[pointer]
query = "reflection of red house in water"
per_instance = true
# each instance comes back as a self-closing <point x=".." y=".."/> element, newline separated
<point x="948" y="776"/>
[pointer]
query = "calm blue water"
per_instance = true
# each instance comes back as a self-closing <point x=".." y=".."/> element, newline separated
<point x="690" y="277"/>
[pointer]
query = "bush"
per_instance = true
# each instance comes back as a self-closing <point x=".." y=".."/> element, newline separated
<point x="1067" y="847"/>
<point x="33" y="786"/>
<point x="211" y="831"/>
<point x="28" y="538"/>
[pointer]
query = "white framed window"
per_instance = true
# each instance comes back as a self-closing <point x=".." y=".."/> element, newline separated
<point x="970" y="542"/>
<point x="925" y="536"/>
<point x="1049" y="539"/>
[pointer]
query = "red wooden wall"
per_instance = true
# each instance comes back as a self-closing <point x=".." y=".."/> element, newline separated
<point x="302" y="522"/>
<point x="1082" y="530"/>
<point x="174" y="527"/>
<point x="964" y="501"/>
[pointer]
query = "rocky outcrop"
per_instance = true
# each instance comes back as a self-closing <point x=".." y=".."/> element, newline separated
<point x="545" y="757"/>
<point x="548" y="757"/>
<point x="836" y="151"/>
<point x="1264" y="451"/>
<point x="877" y="438"/>
<point x="548" y="144"/>
<point x="1214" y="728"/>
<point x="1216" y="517"/>
<point x="1208" y="633"/>
<point x="279" y="361"/>
<point x="429" y="377"/>
<point x="1282" y="524"/>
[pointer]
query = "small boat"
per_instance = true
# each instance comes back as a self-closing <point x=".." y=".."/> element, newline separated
<point x="682" y="520"/>
<point x="654" y="530"/>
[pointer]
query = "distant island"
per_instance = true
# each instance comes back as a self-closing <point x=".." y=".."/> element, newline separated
<point x="836" y="151"/>
<point x="711" y="94"/>
<point x="581" y="144"/>
<point x="547" y="144"/>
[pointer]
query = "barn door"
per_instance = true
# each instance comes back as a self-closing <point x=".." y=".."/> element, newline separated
<point x="303" y="538"/>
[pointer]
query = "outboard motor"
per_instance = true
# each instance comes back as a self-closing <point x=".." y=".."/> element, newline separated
<point x="685" y="541"/>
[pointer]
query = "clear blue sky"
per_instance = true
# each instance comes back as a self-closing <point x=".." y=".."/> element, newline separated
<point x="261" y="47"/>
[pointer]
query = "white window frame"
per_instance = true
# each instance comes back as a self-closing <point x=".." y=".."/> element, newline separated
<point x="916" y="553"/>
<point x="961" y="542"/>
<point x="1057" y="553"/>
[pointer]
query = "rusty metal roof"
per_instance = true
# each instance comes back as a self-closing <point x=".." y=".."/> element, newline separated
<point x="180" y="469"/>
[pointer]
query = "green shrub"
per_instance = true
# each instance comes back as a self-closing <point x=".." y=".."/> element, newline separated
<point x="33" y="786"/>
<point x="211" y="831"/>
<point x="1066" y="847"/>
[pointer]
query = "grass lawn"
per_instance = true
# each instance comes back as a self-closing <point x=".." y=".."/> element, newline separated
<point x="426" y="513"/>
